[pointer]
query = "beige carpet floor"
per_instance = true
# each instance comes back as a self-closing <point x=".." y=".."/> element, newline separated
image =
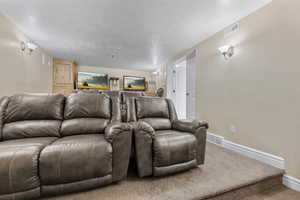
<point x="223" y="171"/>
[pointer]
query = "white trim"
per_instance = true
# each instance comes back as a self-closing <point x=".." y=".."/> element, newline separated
<point x="291" y="182"/>
<point x="267" y="158"/>
<point x="215" y="139"/>
<point x="275" y="161"/>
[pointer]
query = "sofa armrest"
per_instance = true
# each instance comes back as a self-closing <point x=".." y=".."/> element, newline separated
<point x="143" y="137"/>
<point x="199" y="129"/>
<point x="113" y="130"/>
<point x="120" y="137"/>
<point x="189" y="125"/>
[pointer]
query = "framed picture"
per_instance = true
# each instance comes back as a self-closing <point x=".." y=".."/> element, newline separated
<point x="88" y="80"/>
<point x="134" y="83"/>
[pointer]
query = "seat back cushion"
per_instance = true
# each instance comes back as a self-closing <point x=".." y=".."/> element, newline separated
<point x="158" y="123"/>
<point x="86" y="113"/>
<point x="154" y="111"/>
<point x="31" y="128"/>
<point x="82" y="126"/>
<point x="33" y="115"/>
<point x="34" y="107"/>
<point x="148" y="107"/>
<point x="87" y="105"/>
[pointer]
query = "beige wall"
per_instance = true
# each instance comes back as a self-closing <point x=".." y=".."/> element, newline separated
<point x="258" y="89"/>
<point x="20" y="72"/>
<point x="116" y="72"/>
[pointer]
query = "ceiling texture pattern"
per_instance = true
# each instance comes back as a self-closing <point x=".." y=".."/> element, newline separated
<point x="134" y="34"/>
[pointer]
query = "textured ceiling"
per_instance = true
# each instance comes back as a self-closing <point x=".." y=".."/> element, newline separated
<point x="136" y="34"/>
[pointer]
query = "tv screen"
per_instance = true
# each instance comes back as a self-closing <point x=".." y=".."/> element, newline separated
<point x="134" y="83"/>
<point x="87" y="80"/>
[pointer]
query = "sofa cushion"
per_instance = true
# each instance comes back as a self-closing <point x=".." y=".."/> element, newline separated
<point x="34" y="107"/>
<point x="147" y="107"/>
<point x="75" y="158"/>
<point x="31" y="128"/>
<point x="87" y="105"/>
<point x="173" y="147"/>
<point x="158" y="123"/>
<point x="19" y="164"/>
<point x="83" y="126"/>
<point x="38" y="141"/>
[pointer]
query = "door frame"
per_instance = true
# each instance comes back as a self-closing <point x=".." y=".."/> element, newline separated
<point x="171" y="81"/>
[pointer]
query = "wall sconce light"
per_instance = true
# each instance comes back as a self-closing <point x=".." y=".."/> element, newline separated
<point x="23" y="46"/>
<point x="227" y="51"/>
<point x="155" y="73"/>
<point x="29" y="46"/>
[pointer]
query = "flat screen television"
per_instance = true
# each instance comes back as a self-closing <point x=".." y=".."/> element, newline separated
<point x="134" y="83"/>
<point x="88" y="80"/>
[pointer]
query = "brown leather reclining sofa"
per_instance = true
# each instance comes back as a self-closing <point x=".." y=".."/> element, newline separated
<point x="52" y="145"/>
<point x="163" y="144"/>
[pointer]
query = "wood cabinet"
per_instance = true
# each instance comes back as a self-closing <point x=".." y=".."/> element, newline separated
<point x="64" y="74"/>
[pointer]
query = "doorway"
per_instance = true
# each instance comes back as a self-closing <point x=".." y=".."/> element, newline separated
<point x="182" y="86"/>
<point x="179" y="90"/>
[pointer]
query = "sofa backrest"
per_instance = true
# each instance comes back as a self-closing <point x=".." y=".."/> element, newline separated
<point x="88" y="113"/>
<point x="32" y="115"/>
<point x="126" y="95"/>
<point x="158" y="112"/>
<point x="112" y="94"/>
<point x="86" y="91"/>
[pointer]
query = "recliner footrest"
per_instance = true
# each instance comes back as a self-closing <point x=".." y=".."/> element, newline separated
<point x="162" y="171"/>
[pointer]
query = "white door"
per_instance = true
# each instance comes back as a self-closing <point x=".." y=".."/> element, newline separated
<point x="180" y="89"/>
<point x="191" y="73"/>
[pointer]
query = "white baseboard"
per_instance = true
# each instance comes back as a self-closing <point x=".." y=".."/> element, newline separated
<point x="215" y="139"/>
<point x="267" y="158"/>
<point x="264" y="157"/>
<point x="291" y="182"/>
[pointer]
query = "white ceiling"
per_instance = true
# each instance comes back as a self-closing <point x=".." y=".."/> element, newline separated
<point x="139" y="33"/>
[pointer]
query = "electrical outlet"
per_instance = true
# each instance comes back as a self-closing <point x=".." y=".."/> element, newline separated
<point x="232" y="128"/>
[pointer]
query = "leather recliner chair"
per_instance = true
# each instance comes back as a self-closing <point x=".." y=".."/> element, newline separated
<point x="164" y="144"/>
<point x="52" y="145"/>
